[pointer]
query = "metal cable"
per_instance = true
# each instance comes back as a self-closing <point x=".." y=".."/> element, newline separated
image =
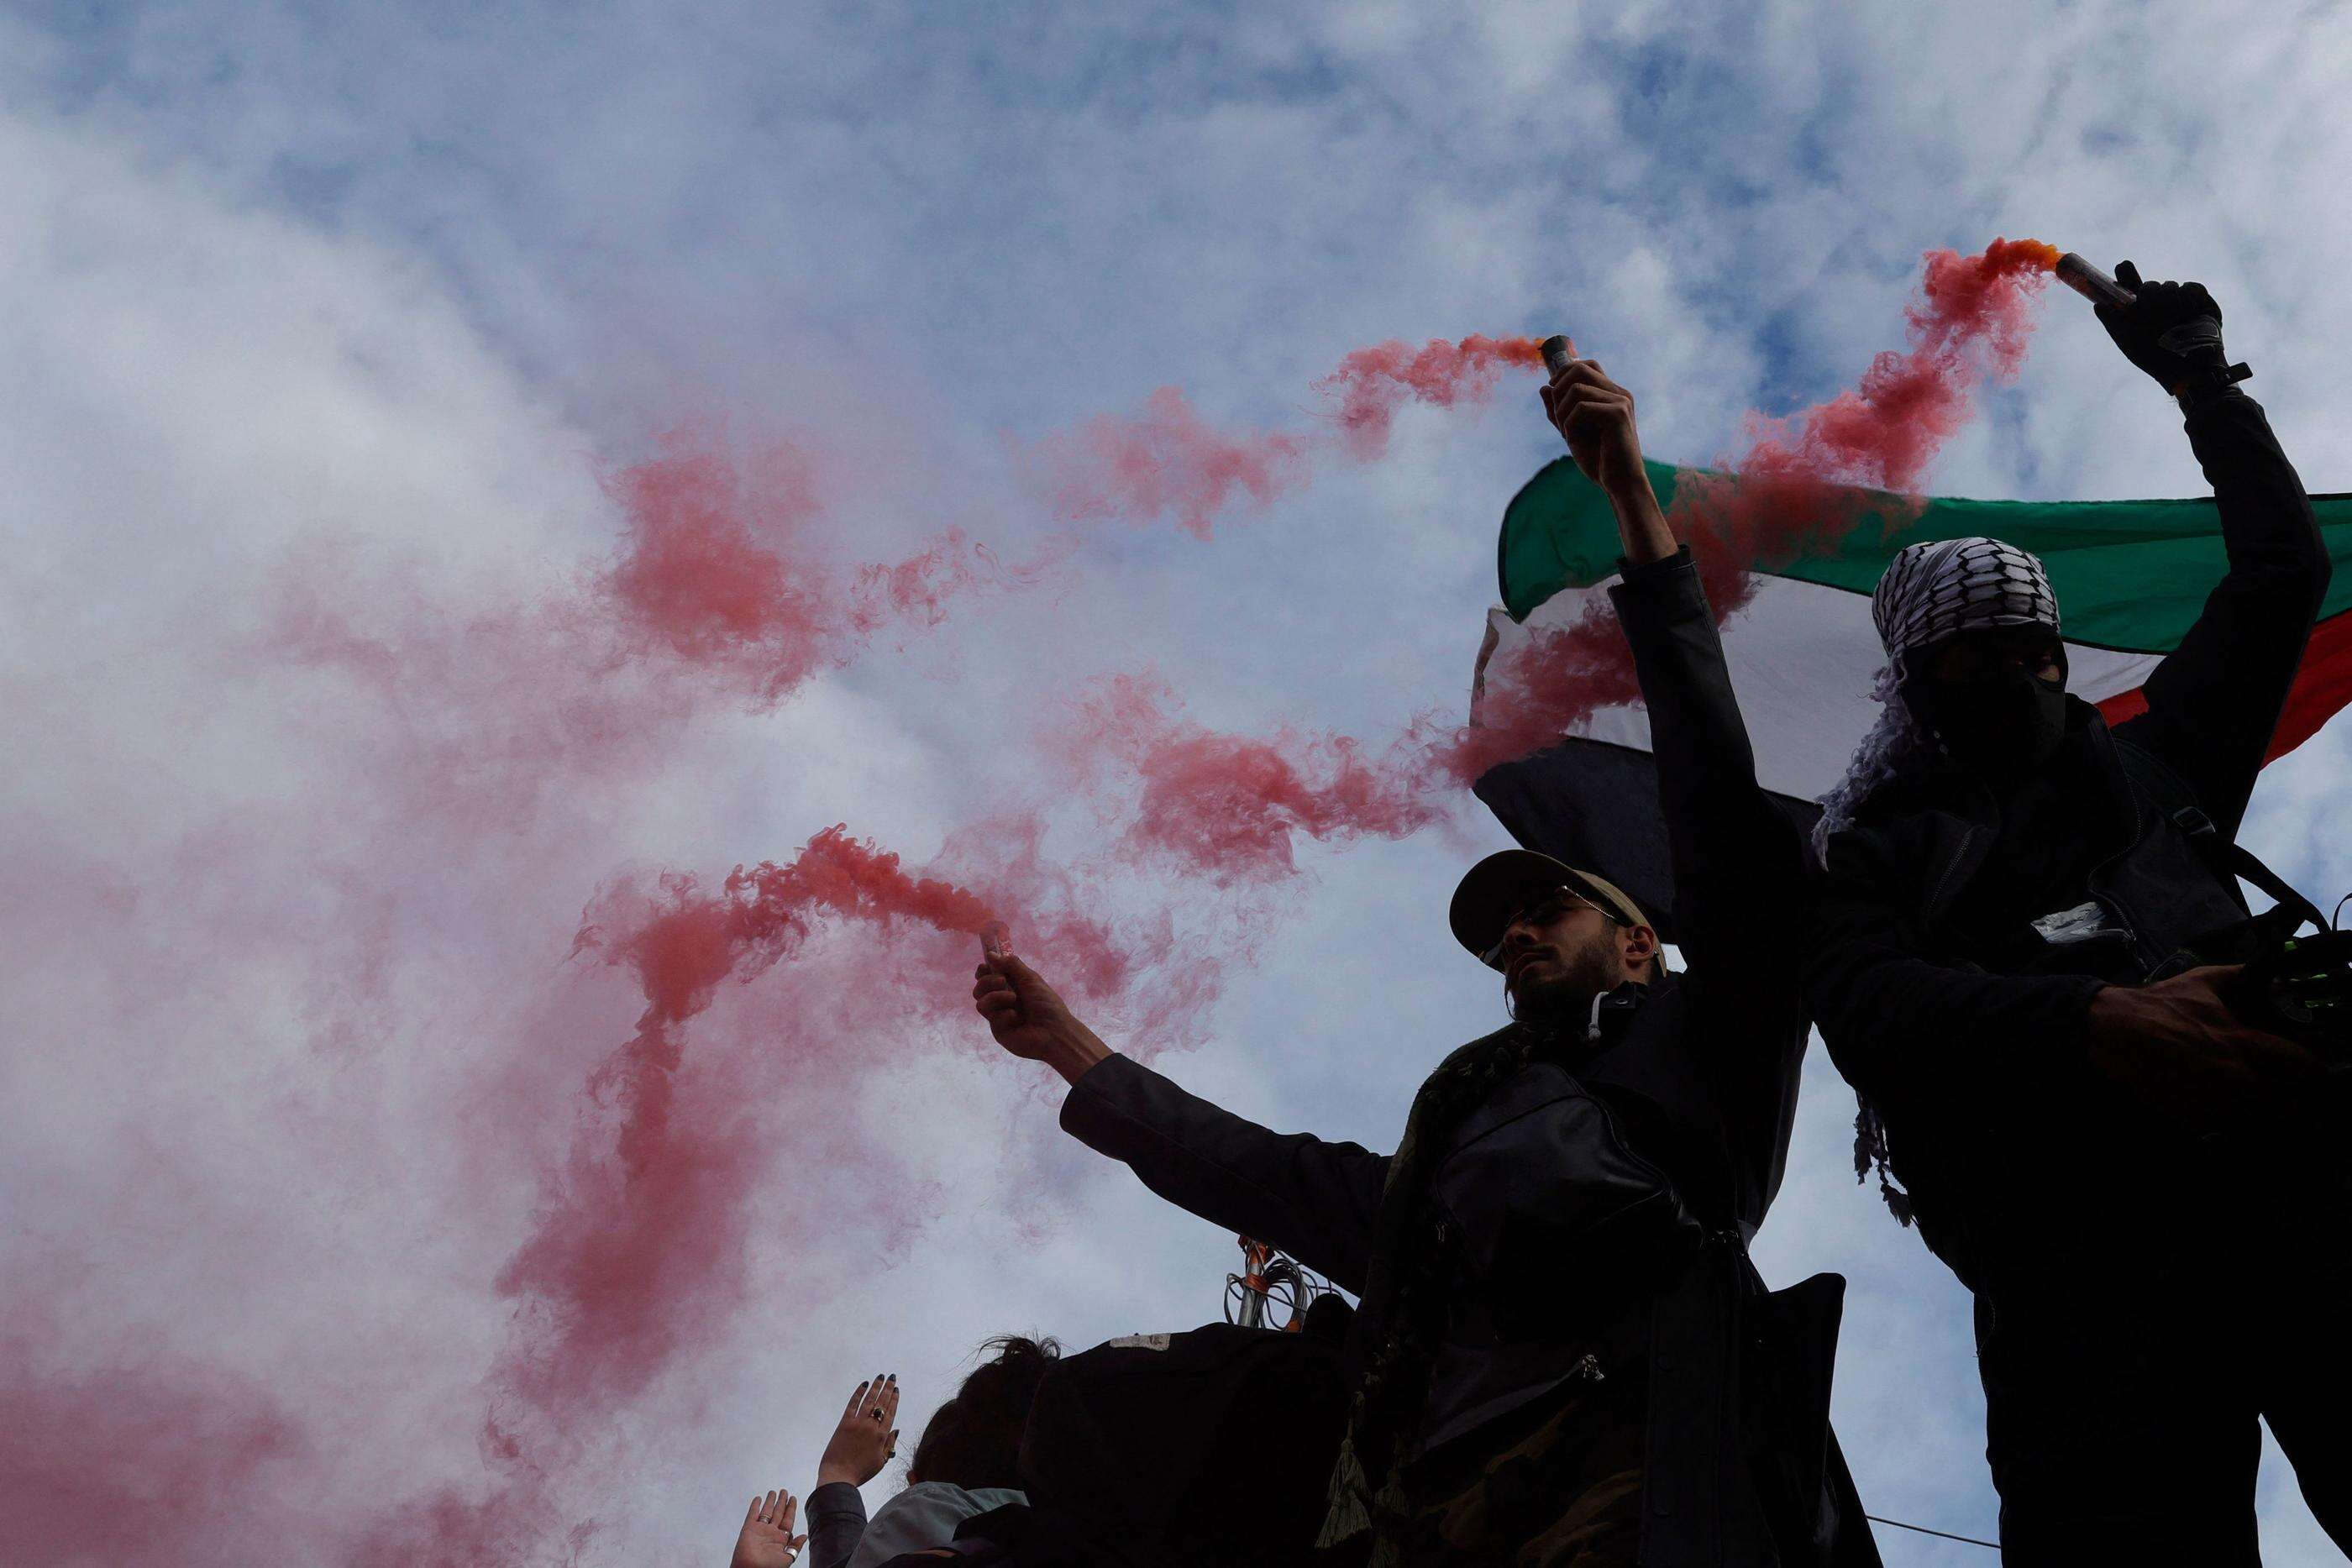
<point x="1923" y="1529"/>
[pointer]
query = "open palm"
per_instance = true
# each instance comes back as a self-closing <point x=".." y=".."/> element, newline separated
<point x="867" y="1435"/>
<point x="768" y="1540"/>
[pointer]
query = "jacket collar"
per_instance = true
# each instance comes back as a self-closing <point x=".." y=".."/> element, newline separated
<point x="1601" y="1022"/>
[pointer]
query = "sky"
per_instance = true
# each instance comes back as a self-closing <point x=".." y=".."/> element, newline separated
<point x="352" y="360"/>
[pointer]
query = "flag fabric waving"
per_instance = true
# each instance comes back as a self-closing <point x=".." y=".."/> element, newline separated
<point x="2130" y="576"/>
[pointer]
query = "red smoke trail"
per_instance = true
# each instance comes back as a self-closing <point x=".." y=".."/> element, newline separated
<point x="1226" y="807"/>
<point x="649" y="1215"/>
<point x="1371" y="384"/>
<point x="720" y="571"/>
<point x="1788" y="493"/>
<point x="461" y="764"/>
<point x="1167" y="461"/>
<point x="638" y="1247"/>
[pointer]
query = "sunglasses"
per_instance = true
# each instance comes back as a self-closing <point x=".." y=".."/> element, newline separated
<point x="1543" y="910"/>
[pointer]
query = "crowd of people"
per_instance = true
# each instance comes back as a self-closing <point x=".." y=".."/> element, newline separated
<point x="2020" y="930"/>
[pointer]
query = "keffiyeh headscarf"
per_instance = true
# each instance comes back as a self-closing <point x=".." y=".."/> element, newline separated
<point x="1929" y="592"/>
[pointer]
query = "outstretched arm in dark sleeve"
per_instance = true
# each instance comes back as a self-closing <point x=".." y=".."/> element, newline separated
<point x="1313" y="1199"/>
<point x="1316" y="1200"/>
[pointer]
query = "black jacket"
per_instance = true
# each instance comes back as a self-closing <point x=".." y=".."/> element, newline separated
<point x="1697" y="1075"/>
<point x="1972" y="1048"/>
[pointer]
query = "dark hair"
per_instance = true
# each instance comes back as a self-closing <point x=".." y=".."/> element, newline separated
<point x="974" y="1440"/>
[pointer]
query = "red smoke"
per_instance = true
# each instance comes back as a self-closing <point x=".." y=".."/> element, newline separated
<point x="465" y="765"/>
<point x="637" y="1249"/>
<point x="721" y="569"/>
<point x="1788" y="493"/>
<point x="647" y="1215"/>
<point x="1225" y="806"/>
<point x="1167" y="461"/>
<point x="1371" y="384"/>
<point x="637" y="1252"/>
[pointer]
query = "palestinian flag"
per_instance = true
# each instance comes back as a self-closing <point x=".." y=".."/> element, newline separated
<point x="2130" y="576"/>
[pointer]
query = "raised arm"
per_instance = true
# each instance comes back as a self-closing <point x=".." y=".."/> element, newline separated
<point x="1739" y="860"/>
<point x="1315" y="1200"/>
<point x="2214" y="702"/>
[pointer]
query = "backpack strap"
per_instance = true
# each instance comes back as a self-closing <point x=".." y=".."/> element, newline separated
<point x="2229" y="857"/>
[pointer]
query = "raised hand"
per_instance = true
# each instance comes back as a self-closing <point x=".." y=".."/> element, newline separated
<point x="767" y="1541"/>
<point x="1030" y="1019"/>
<point x="868" y="1435"/>
<point x="1595" y="416"/>
<point x="2172" y="330"/>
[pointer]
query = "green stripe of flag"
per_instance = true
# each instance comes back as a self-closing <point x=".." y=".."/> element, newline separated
<point x="2131" y="574"/>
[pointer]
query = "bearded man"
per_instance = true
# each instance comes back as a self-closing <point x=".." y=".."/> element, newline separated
<point x="1566" y="1359"/>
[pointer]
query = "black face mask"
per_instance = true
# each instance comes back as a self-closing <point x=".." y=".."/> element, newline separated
<point x="2002" y="727"/>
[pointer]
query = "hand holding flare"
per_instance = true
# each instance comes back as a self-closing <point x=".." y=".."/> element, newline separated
<point x="1595" y="416"/>
<point x="1028" y="1016"/>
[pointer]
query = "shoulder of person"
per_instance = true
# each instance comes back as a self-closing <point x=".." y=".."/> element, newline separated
<point x="1895" y="832"/>
<point x="921" y="1516"/>
<point x="2151" y="772"/>
<point x="1461" y="1053"/>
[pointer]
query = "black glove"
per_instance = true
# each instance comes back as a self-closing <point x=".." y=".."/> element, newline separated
<point x="2173" y="331"/>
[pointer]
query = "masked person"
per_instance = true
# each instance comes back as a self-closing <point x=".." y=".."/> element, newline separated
<point x="1566" y="1358"/>
<point x="2020" y="907"/>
